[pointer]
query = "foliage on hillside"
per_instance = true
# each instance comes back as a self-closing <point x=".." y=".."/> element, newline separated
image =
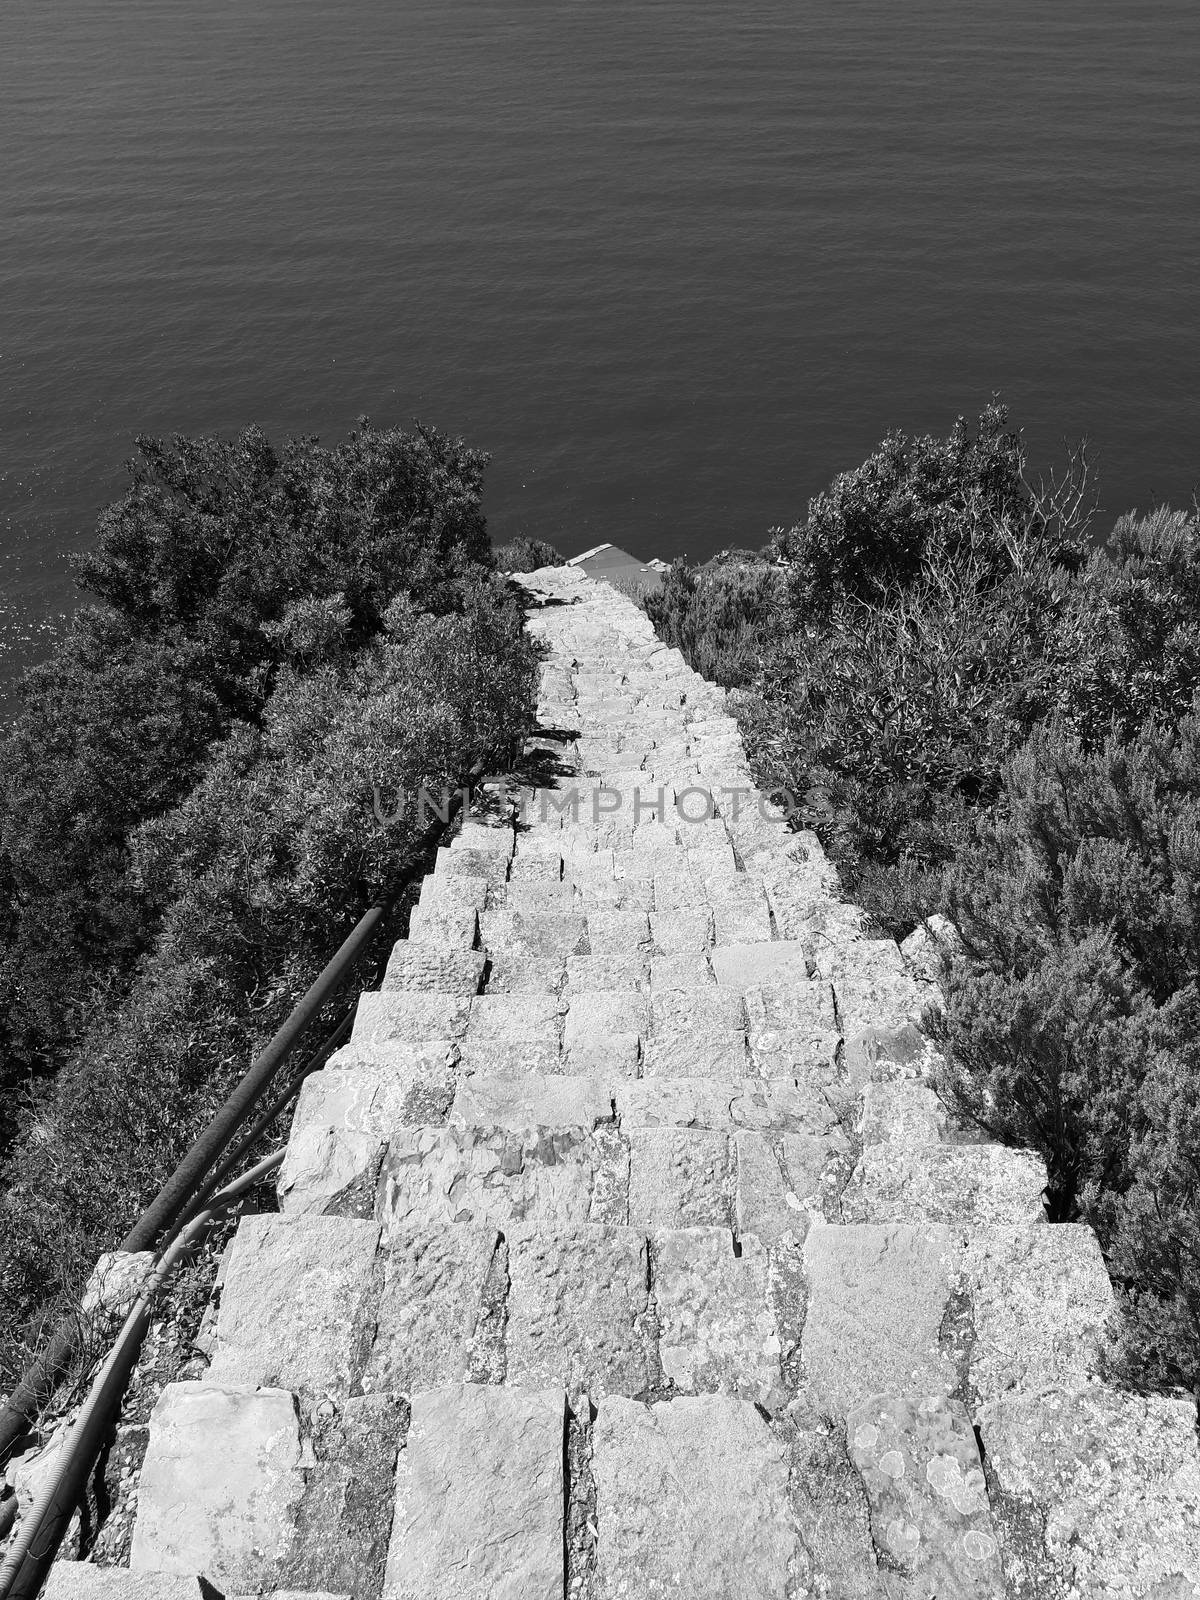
<point x="186" y="818"/>
<point x="527" y="555"/>
<point x="986" y="715"/>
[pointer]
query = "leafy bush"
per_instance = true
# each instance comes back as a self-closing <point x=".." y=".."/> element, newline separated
<point x="527" y="555"/>
<point x="722" y="616"/>
<point x="1071" y="1028"/>
<point x="962" y="498"/>
<point x="221" y="563"/>
<point x="187" y="824"/>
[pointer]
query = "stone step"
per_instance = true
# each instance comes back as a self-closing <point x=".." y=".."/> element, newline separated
<point x="80" y="1580"/>
<point x="297" y="1304"/>
<point x="966" y="1183"/>
<point x="479" y="1497"/>
<point x="932" y="1309"/>
<point x="422" y="967"/>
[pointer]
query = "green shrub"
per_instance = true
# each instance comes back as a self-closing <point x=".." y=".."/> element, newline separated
<point x="1071" y="1026"/>
<point x="222" y="563"/>
<point x="722" y="616"/>
<point x="527" y="555"/>
<point x="259" y="872"/>
<point x="964" y="498"/>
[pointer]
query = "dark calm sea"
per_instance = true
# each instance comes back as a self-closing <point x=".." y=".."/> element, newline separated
<point x="673" y="262"/>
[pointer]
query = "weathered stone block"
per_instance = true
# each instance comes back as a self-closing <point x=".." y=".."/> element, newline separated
<point x="533" y="933"/>
<point x="984" y="1183"/>
<point x="497" y="1176"/>
<point x="479" y="1497"/>
<point x="925" y="1487"/>
<point x="339" y="1546"/>
<point x="578" y="1310"/>
<point x="1096" y="1492"/>
<point x="535" y="1101"/>
<point x="903" y="1113"/>
<point x="691" y="1500"/>
<point x="219" y="1485"/>
<point x="611" y="970"/>
<point x="425" y="967"/>
<point x="690" y="971"/>
<point x="740" y="914"/>
<point x="80" y="1580"/>
<point x="297" y="1304"/>
<point x="677" y="933"/>
<point x="779" y="963"/>
<point x="717" y="1329"/>
<point x="444" y="891"/>
<point x="343" y="1120"/>
<point x="678" y="1178"/>
<point x="437" y="1283"/>
<point x="617" y="932"/>
<point x="676" y="1102"/>
<point x="1040" y="1299"/>
<point x="409" y="1018"/>
<point x="619" y="1011"/>
<point x="612" y="1056"/>
<point x="877" y="1298"/>
<point x="444" y="925"/>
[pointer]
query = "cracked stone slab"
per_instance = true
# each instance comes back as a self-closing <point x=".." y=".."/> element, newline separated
<point x="82" y="1580"/>
<point x="578" y="1310"/>
<point x="343" y="1520"/>
<point x="877" y="1296"/>
<point x="677" y="890"/>
<point x="535" y="1101"/>
<point x="930" y="1517"/>
<point x="785" y="1105"/>
<point x="409" y="1018"/>
<point x="779" y="963"/>
<point x="797" y="1005"/>
<point x="440" y="971"/>
<point x="691" y="1501"/>
<point x="343" y="1120"/>
<point x="499" y="1176"/>
<point x="676" y="1102"/>
<point x="886" y="1001"/>
<point x="489" y="864"/>
<point x="968" y="1183"/>
<point x="696" y="1034"/>
<point x="691" y="971"/>
<point x="219" y="1485"/>
<point x="681" y="932"/>
<point x="436" y="1286"/>
<point x="521" y="973"/>
<point x="513" y="1018"/>
<point x="610" y="970"/>
<point x="617" y="932"/>
<point x="1040" y="1299"/>
<point x="901" y="1112"/>
<point x="479" y="1497"/>
<point x="837" y="1558"/>
<point x="457" y="891"/>
<point x="533" y="933"/>
<point x="740" y="914"/>
<point x="612" y="1056"/>
<point x="297" y="1303"/>
<point x="444" y="925"/>
<point x="678" y="1177"/>
<point x="717" y="1330"/>
<point x="610" y="1011"/>
<point x="776" y="1176"/>
<point x="1095" y="1492"/>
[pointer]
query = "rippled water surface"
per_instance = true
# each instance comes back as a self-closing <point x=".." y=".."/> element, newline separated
<point x="673" y="264"/>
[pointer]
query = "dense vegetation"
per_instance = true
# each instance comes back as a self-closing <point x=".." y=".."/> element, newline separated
<point x="991" y="713"/>
<point x="186" y="819"/>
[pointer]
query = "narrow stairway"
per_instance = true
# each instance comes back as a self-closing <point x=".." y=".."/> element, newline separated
<point x="624" y="1252"/>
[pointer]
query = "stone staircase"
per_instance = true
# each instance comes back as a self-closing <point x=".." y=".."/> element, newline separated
<point x="624" y="1253"/>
